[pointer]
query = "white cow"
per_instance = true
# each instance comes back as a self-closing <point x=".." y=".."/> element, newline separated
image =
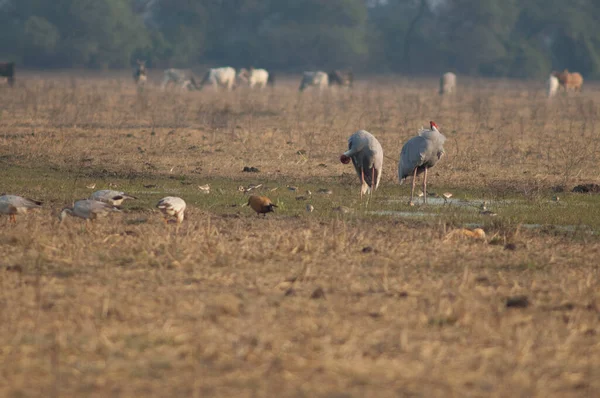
<point x="179" y="78"/>
<point x="219" y="77"/>
<point x="254" y="77"/>
<point x="552" y="85"/>
<point x="448" y="83"/>
<point x="315" y="79"/>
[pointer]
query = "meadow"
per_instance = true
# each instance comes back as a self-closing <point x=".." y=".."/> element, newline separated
<point x="379" y="300"/>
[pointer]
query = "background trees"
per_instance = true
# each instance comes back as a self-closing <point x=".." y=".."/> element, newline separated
<point x="524" y="39"/>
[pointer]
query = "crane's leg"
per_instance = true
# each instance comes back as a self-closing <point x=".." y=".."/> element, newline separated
<point x="373" y="181"/>
<point x="412" y="191"/>
<point x="425" y="186"/>
<point x="13" y="219"/>
<point x="362" y="181"/>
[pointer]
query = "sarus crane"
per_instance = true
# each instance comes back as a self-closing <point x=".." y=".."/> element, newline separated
<point x="419" y="154"/>
<point x="367" y="156"/>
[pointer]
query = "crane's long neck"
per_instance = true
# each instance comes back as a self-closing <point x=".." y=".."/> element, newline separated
<point x="352" y="151"/>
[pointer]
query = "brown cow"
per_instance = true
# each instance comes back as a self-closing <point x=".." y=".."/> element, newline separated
<point x="7" y="69"/>
<point x="568" y="80"/>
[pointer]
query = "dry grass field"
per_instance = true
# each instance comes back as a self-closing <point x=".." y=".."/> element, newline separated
<point x="381" y="301"/>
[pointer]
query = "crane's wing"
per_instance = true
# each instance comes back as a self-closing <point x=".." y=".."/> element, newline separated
<point x="101" y="195"/>
<point x="18" y="201"/>
<point x="411" y="156"/>
<point x="94" y="207"/>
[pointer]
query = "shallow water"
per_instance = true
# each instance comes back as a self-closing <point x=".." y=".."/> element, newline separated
<point x="401" y="213"/>
<point x="433" y="201"/>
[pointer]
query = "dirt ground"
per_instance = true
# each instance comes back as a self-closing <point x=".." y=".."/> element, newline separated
<point x="350" y="300"/>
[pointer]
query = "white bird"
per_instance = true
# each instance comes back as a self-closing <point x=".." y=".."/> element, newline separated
<point x="204" y="188"/>
<point x="111" y="197"/>
<point x="172" y="206"/>
<point x="87" y="209"/>
<point x="367" y="157"/>
<point x="13" y="205"/>
<point x="447" y="196"/>
<point x="418" y="154"/>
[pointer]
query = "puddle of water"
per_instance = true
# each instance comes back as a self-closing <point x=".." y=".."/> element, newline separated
<point x="453" y="202"/>
<point x="430" y="201"/>
<point x="402" y="213"/>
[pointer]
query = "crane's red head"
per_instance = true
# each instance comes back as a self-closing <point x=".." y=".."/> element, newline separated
<point x="432" y="125"/>
<point x="345" y="159"/>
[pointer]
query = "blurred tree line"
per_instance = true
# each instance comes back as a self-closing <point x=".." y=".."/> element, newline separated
<point x="525" y="39"/>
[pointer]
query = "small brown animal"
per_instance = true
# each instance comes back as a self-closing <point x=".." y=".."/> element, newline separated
<point x="568" y="80"/>
<point x="261" y="204"/>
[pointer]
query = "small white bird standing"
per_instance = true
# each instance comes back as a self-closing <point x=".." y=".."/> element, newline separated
<point x="87" y="209"/>
<point x="172" y="206"/>
<point x="366" y="154"/>
<point x="13" y="205"/>
<point x="418" y="154"/>
<point x="114" y="198"/>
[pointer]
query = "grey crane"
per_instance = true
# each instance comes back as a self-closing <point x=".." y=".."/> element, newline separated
<point x="114" y="198"/>
<point x="367" y="156"/>
<point x="87" y="209"/>
<point x="419" y="154"/>
<point x="13" y="205"/>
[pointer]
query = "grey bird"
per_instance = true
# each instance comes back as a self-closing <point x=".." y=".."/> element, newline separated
<point x="13" y="205"/>
<point x="87" y="209"/>
<point x="367" y="157"/>
<point x="419" y="154"/>
<point x="114" y="198"/>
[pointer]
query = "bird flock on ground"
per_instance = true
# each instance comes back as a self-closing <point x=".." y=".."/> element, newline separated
<point x="418" y="154"/>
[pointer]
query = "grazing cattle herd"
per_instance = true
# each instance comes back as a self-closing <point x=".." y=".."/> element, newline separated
<point x="227" y="78"/>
